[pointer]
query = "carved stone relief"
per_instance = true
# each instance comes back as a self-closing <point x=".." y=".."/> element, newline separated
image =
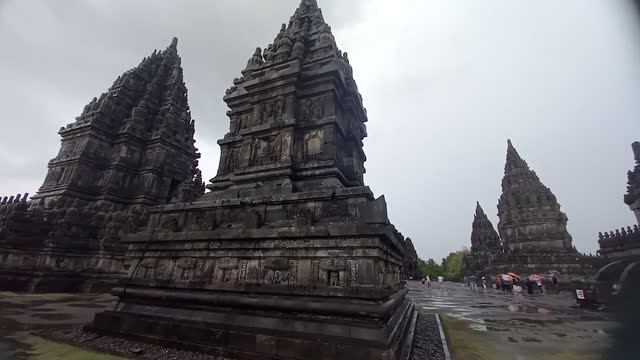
<point x="314" y="109"/>
<point x="313" y="141"/>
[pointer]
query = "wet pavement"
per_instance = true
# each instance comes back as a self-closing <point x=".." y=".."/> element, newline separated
<point x="21" y="314"/>
<point x="491" y="324"/>
<point x="485" y="325"/>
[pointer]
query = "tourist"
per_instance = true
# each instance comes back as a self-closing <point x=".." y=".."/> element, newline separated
<point x="540" y="284"/>
<point x="473" y="283"/>
<point x="484" y="282"/>
<point x="530" y="285"/>
<point x="464" y="281"/>
<point x="428" y="279"/>
<point x="440" y="282"/>
<point x="498" y="282"/>
<point x="423" y="280"/>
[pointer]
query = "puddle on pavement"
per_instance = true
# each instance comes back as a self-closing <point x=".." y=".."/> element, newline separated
<point x="531" y="340"/>
<point x="495" y="329"/>
<point x="528" y="309"/>
<point x="57" y="317"/>
<point x="88" y="305"/>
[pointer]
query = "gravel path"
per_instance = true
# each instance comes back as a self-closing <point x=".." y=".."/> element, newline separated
<point x="427" y="344"/>
<point x="125" y="348"/>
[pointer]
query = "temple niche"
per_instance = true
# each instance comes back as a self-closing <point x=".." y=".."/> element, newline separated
<point x="129" y="149"/>
<point x="289" y="225"/>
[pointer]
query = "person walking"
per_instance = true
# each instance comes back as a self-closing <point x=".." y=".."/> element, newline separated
<point x="473" y="283"/>
<point x="428" y="279"/>
<point x="484" y="282"/>
<point x="530" y="284"/>
<point x="441" y="282"/>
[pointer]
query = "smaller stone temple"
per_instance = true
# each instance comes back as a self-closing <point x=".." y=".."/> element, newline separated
<point x="486" y="246"/>
<point x="533" y="229"/>
<point x="410" y="268"/>
<point x="624" y="243"/>
<point x="130" y="149"/>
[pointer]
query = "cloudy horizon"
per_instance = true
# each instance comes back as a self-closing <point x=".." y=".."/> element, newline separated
<point x="446" y="83"/>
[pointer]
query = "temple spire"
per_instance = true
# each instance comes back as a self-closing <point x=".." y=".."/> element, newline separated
<point x="514" y="160"/>
<point x="479" y="210"/>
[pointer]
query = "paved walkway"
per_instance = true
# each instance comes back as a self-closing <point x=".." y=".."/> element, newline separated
<point x="491" y="324"/>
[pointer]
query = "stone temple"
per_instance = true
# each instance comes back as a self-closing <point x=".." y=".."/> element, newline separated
<point x="486" y="246"/>
<point x="130" y="149"/>
<point x="625" y="243"/>
<point x="532" y="228"/>
<point x="290" y="255"/>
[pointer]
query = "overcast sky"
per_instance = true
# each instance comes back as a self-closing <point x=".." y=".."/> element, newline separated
<point x="445" y="82"/>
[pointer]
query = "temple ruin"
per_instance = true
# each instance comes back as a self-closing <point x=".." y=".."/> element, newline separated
<point x="130" y="149"/>
<point x="290" y="255"/>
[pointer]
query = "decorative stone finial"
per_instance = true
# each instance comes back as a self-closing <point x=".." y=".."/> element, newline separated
<point x="636" y="151"/>
<point x="174" y="43"/>
<point x="256" y="60"/>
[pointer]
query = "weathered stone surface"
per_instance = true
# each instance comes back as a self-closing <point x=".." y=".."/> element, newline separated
<point x="129" y="149"/>
<point x="289" y="255"/>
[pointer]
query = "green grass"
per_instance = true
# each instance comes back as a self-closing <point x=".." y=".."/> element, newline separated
<point x="465" y="343"/>
<point x="49" y="350"/>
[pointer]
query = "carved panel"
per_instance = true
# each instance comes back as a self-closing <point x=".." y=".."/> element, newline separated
<point x="314" y="109"/>
<point x="270" y="149"/>
<point x="243" y="270"/>
<point x="315" y="271"/>
<point x="353" y="272"/>
<point x="313" y="141"/>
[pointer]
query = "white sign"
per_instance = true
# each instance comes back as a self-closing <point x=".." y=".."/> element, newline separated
<point x="580" y="294"/>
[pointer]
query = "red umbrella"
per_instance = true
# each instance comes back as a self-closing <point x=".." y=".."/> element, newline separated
<point x="513" y="274"/>
<point x="535" y="277"/>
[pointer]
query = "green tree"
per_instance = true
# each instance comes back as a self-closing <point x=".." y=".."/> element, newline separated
<point x="429" y="267"/>
<point x="453" y="266"/>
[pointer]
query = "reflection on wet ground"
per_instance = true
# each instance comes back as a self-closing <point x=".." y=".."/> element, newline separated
<point x="508" y="326"/>
<point x="20" y="314"/>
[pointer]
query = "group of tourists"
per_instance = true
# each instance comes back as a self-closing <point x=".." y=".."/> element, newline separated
<point x="427" y="280"/>
<point x="472" y="282"/>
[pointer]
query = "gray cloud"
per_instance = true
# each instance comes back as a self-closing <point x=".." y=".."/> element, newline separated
<point x="445" y="83"/>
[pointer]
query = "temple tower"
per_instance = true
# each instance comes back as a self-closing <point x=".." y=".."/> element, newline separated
<point x="530" y="216"/>
<point x="297" y="119"/>
<point x="290" y="255"/>
<point x="484" y="237"/>
<point x="486" y="246"/>
<point x="130" y="149"/>
<point x="131" y="146"/>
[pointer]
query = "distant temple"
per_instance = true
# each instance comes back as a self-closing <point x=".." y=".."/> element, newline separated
<point x="625" y="242"/>
<point x="290" y="255"/>
<point x="130" y="149"/>
<point x="533" y="230"/>
<point x="486" y="246"/>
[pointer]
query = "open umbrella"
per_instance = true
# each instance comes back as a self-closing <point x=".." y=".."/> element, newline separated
<point x="535" y="277"/>
<point x="506" y="277"/>
<point x="554" y="272"/>
<point x="513" y="274"/>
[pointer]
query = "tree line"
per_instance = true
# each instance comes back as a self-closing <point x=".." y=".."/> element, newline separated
<point x="452" y="267"/>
